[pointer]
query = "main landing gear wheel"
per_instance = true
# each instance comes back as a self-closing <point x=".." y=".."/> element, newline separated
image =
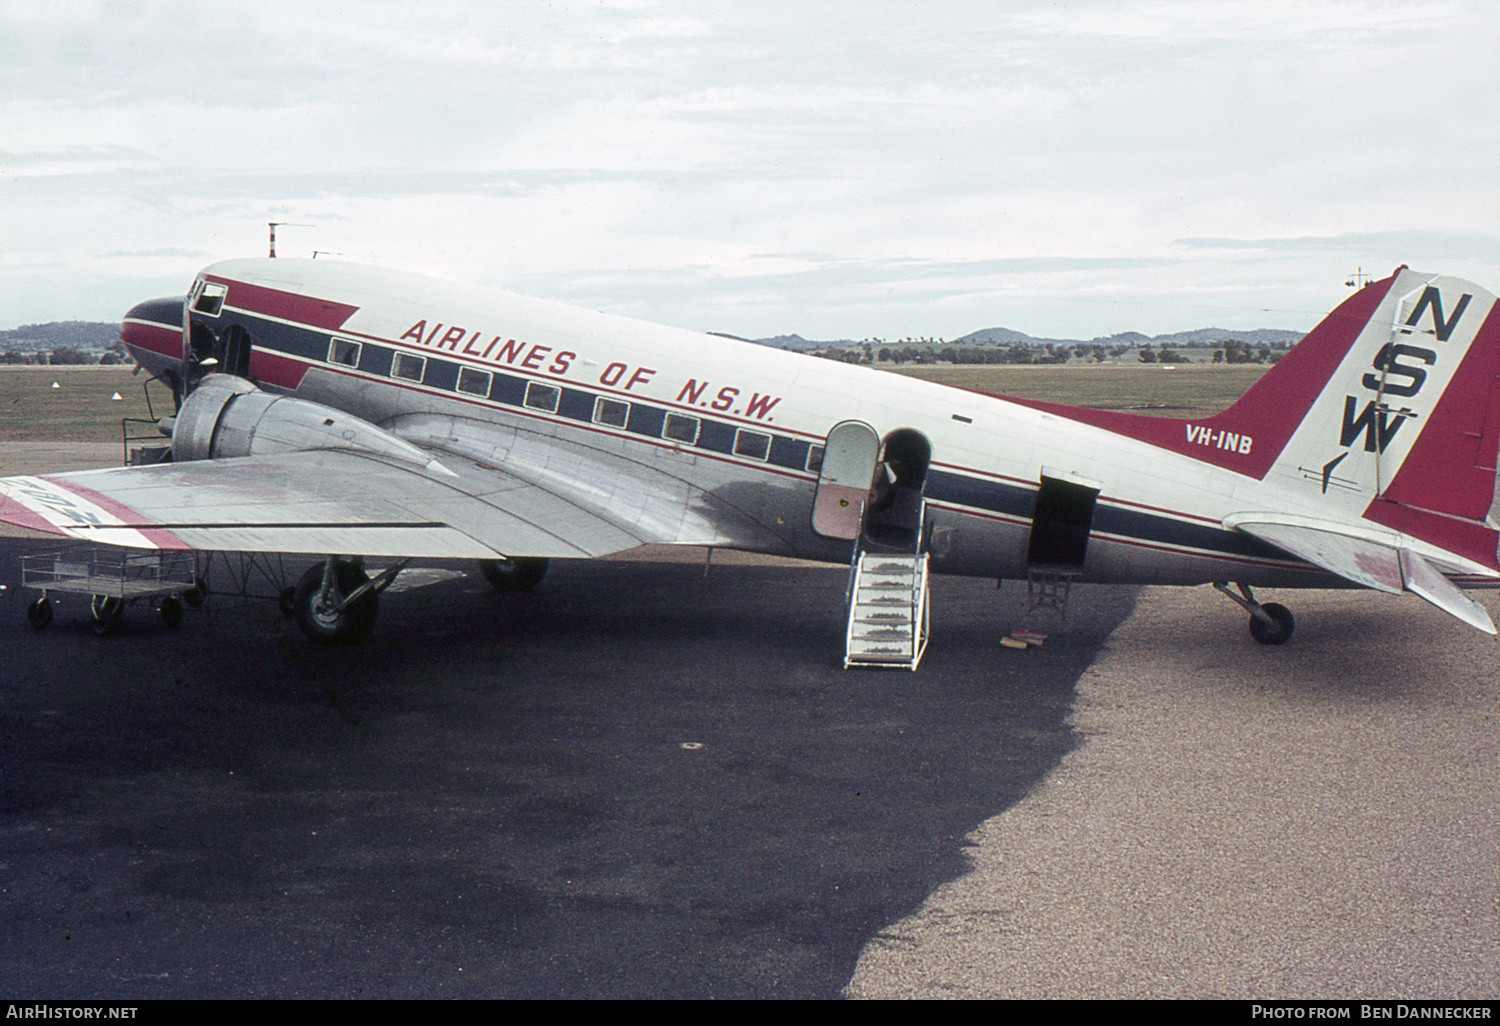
<point x="318" y="612"/>
<point x="1278" y="633"/>
<point x="521" y="574"/>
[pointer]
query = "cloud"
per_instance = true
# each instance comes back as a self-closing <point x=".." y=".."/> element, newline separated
<point x="1465" y="245"/>
<point x="977" y="161"/>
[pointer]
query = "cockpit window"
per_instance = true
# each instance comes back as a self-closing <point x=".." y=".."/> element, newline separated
<point x="210" y="298"/>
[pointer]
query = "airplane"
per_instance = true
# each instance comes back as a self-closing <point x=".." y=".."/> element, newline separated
<point x="350" y="412"/>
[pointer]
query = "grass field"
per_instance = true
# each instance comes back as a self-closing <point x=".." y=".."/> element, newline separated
<point x="1188" y="390"/>
<point x="80" y="408"/>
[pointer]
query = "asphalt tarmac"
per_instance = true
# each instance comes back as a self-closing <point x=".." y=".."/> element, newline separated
<point x="648" y="780"/>
<point x="1316" y="821"/>
<point x="633" y="782"/>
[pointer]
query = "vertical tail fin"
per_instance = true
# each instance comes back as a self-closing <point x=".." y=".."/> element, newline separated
<point x="1406" y="416"/>
<point x="1402" y="411"/>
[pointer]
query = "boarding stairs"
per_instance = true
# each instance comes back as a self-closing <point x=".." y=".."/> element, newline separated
<point x="887" y="610"/>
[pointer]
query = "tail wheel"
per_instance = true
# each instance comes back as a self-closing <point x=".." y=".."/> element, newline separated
<point x="319" y="615"/>
<point x="513" y="574"/>
<point x="1273" y="634"/>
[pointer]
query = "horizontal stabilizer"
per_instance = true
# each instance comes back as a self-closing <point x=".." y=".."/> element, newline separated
<point x="1371" y="563"/>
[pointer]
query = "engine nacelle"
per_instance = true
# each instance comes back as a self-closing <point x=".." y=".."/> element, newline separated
<point x="227" y="416"/>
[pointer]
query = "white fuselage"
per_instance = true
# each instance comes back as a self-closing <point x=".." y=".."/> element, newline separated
<point x="734" y="423"/>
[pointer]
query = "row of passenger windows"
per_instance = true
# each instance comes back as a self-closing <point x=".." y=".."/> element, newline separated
<point x="615" y="413"/>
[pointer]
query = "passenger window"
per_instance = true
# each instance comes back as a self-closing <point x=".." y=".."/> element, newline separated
<point x="753" y="444"/>
<point x="344" y="352"/>
<point x="542" y="397"/>
<point x="474" y="382"/>
<point x="611" y="412"/>
<point x="408" y="367"/>
<point x="814" y="459"/>
<point x="680" y="429"/>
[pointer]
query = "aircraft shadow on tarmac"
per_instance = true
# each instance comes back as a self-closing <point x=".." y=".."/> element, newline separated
<point x="632" y="782"/>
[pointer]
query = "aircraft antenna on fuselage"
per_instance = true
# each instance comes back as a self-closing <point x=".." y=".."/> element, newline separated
<point x="273" y="225"/>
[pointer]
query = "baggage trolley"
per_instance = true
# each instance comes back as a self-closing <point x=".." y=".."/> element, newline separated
<point x="112" y="578"/>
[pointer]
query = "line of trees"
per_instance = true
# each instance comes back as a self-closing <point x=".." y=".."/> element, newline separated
<point x="1052" y="353"/>
<point x="1242" y="352"/>
<point x="61" y="356"/>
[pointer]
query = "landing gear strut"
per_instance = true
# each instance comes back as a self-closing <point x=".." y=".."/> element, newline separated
<point x="1270" y="624"/>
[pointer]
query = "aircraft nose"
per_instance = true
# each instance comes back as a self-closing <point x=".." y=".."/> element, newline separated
<point x="156" y="325"/>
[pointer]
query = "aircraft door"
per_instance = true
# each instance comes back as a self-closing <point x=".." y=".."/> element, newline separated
<point x="235" y="343"/>
<point x="850" y="456"/>
<point x="894" y="516"/>
<point x="209" y="345"/>
<point x="1061" y="521"/>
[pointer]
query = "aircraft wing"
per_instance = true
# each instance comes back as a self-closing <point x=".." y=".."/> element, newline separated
<point x="317" y="501"/>
<point x="1374" y="562"/>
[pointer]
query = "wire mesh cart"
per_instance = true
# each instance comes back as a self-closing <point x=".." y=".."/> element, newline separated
<point x="112" y="578"/>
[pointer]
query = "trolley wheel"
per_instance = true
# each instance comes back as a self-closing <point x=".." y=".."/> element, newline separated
<point x="194" y="595"/>
<point x="39" y="613"/>
<point x="106" y="610"/>
<point x="171" y="611"/>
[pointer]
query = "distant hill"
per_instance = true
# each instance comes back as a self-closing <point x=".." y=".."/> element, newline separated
<point x="93" y="335"/>
<point x="1211" y="337"/>
<point x="995" y="336"/>
<point x="798" y="344"/>
<point x="1124" y="338"/>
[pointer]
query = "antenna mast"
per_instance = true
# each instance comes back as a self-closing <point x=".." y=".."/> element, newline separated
<point x="273" y="225"/>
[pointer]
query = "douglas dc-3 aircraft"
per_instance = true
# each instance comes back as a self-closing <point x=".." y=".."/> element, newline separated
<point x="349" y="413"/>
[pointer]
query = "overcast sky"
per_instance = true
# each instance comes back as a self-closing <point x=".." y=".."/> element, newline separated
<point x="888" y="169"/>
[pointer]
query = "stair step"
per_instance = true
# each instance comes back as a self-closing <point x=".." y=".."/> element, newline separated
<point x="883" y="633"/>
<point x="880" y="653"/>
